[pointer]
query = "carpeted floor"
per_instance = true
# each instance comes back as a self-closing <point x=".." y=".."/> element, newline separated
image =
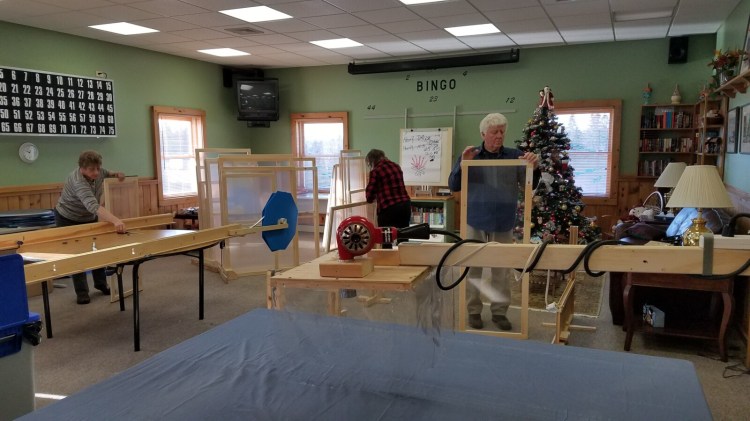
<point x="95" y="341"/>
<point x="589" y="292"/>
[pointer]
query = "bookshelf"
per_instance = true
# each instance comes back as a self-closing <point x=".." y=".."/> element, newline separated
<point x="438" y="211"/>
<point x="711" y="133"/>
<point x="666" y="135"/>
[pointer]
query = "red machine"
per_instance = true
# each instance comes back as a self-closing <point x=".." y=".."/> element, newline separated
<point x="356" y="236"/>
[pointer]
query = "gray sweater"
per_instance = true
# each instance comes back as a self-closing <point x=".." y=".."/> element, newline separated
<point x="80" y="198"/>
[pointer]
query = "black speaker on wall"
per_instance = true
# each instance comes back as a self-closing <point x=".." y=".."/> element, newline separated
<point x="678" y="50"/>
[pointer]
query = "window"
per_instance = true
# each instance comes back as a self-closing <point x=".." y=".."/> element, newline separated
<point x="321" y="136"/>
<point x="593" y="128"/>
<point x="178" y="132"/>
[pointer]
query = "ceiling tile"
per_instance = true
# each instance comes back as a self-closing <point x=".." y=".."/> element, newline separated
<point x="165" y="24"/>
<point x="359" y="31"/>
<point x="200" y="34"/>
<point x="459" y="20"/>
<point x="211" y="19"/>
<point x="416" y="25"/>
<point x="168" y="7"/>
<point x="286" y="25"/>
<point x="488" y="41"/>
<point x="652" y="28"/>
<point x="305" y="9"/>
<point x="334" y="21"/>
<point x="587" y="35"/>
<point x="397" y="14"/>
<point x="78" y="4"/>
<point x="578" y="7"/>
<point x="510" y="15"/>
<point x="119" y="13"/>
<point x="448" y="8"/>
<point x="313" y="35"/>
<point x="352" y="6"/>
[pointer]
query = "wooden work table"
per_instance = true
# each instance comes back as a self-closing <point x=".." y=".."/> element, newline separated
<point x="57" y="252"/>
<point x="307" y="276"/>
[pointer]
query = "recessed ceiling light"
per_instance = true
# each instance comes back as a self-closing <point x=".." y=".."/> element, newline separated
<point x="124" y="28"/>
<point x="224" y="52"/>
<point x="336" y="43"/>
<point x="656" y="14"/>
<point x="419" y="1"/>
<point x="462" y="31"/>
<point x="256" y="14"/>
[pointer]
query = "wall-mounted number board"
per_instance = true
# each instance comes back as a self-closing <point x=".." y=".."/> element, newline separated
<point x="37" y="103"/>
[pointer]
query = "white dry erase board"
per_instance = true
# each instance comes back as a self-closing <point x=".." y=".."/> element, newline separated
<point x="425" y="156"/>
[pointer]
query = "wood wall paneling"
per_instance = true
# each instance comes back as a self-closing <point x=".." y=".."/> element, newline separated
<point x="45" y="196"/>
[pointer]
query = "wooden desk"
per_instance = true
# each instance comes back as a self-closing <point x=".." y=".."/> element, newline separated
<point x="706" y="330"/>
<point x="307" y="275"/>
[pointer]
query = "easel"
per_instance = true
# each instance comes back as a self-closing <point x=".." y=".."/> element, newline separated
<point x="566" y="306"/>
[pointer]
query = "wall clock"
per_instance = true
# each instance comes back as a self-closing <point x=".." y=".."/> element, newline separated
<point x="28" y="152"/>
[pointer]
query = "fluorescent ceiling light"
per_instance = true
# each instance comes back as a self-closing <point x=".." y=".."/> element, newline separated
<point x="336" y="43"/>
<point x="630" y="16"/>
<point x="124" y="28"/>
<point x="224" y="52"/>
<point x="256" y="14"/>
<point x="462" y="31"/>
<point x="408" y="2"/>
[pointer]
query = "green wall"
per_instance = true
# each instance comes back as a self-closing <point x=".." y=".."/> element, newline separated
<point x="730" y="36"/>
<point x="144" y="78"/>
<point x="591" y="71"/>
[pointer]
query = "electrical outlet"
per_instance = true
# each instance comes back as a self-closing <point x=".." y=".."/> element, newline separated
<point x="99" y="73"/>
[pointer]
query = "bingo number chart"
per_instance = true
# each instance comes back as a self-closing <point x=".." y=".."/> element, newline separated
<point x="37" y="103"/>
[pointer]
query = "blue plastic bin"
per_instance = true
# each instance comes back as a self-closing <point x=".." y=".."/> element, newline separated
<point x="19" y="330"/>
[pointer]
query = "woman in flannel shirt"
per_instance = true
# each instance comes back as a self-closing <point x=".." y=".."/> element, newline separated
<point x="386" y="185"/>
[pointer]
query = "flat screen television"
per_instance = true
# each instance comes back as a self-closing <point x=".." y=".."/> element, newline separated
<point x="258" y="99"/>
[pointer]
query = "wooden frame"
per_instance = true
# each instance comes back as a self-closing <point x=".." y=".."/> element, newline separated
<point x="732" y="129"/>
<point x="613" y="106"/>
<point x="745" y="64"/>
<point x="198" y="124"/>
<point x="528" y="194"/>
<point x="744" y="130"/>
<point x="297" y="120"/>
<point x="253" y="168"/>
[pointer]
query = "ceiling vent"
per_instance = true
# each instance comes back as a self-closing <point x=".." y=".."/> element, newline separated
<point x="244" y="31"/>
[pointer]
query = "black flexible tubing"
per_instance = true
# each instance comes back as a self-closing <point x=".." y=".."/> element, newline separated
<point x="442" y="261"/>
<point x="461" y="242"/>
<point x="588" y="251"/>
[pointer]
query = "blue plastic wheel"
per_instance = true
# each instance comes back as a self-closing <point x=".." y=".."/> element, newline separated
<point x="280" y="206"/>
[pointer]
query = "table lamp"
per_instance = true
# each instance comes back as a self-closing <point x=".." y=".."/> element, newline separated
<point x="669" y="178"/>
<point x="699" y="187"/>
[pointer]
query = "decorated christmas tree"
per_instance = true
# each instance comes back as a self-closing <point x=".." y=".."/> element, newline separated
<point x="557" y="203"/>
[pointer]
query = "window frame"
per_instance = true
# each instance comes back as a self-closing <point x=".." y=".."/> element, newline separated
<point x="195" y="116"/>
<point x="613" y="106"/>
<point x="299" y="119"/>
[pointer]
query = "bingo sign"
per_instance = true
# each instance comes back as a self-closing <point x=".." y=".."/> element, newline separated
<point x="36" y="103"/>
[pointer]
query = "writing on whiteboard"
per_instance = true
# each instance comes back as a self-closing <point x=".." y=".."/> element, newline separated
<point x="421" y="155"/>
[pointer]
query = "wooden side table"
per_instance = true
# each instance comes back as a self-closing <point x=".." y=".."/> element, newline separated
<point x="706" y="329"/>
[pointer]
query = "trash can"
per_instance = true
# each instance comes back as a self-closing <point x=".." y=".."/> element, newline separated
<point x="19" y="332"/>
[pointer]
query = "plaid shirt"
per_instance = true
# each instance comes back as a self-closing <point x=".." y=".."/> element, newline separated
<point x="386" y="185"/>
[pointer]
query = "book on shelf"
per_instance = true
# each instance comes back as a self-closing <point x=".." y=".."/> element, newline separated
<point x="651" y="143"/>
<point x="653" y="167"/>
<point x="666" y="118"/>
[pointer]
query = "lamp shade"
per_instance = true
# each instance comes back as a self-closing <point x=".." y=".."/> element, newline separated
<point x="700" y="187"/>
<point x="671" y="175"/>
